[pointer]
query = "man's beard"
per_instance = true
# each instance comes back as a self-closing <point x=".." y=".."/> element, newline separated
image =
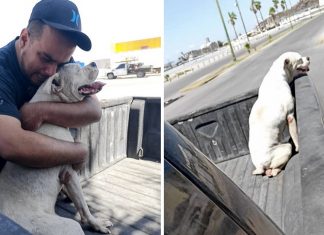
<point x="35" y="78"/>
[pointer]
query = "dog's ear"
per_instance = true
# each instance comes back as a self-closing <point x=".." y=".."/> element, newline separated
<point x="286" y="63"/>
<point x="47" y="86"/>
<point x="57" y="84"/>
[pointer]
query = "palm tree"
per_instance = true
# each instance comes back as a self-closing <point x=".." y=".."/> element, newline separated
<point x="257" y="5"/>
<point x="272" y="13"/>
<point x="283" y="5"/>
<point x="232" y="19"/>
<point x="254" y="10"/>
<point x="275" y="4"/>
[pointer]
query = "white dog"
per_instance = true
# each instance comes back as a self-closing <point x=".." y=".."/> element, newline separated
<point x="28" y="195"/>
<point x="271" y="113"/>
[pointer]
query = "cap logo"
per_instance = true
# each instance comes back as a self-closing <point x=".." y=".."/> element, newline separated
<point x="75" y="18"/>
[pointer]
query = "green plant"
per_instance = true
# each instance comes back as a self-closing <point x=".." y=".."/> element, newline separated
<point x="270" y="38"/>
<point x="248" y="47"/>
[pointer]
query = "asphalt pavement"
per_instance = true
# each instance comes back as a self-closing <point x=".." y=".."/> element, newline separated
<point x="247" y="75"/>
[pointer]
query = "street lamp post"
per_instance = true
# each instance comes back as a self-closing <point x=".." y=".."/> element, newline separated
<point x="238" y="7"/>
<point x="229" y="40"/>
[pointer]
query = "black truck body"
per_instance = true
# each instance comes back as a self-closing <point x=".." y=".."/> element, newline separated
<point x="293" y="200"/>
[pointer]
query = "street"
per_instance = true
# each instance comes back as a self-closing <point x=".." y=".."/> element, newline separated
<point x="247" y="75"/>
<point x="171" y="89"/>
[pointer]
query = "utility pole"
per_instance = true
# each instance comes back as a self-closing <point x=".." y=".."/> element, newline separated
<point x="228" y="38"/>
<point x="238" y="7"/>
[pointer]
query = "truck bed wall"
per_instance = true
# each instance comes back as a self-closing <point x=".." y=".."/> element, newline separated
<point x="127" y="125"/>
<point x="220" y="132"/>
<point x="107" y="139"/>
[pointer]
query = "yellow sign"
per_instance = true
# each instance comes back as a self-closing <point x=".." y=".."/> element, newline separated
<point x="148" y="43"/>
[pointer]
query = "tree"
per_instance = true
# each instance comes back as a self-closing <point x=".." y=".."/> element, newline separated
<point x="283" y="5"/>
<point x="257" y="5"/>
<point x="275" y="4"/>
<point x="272" y="13"/>
<point x="254" y="10"/>
<point x="232" y="18"/>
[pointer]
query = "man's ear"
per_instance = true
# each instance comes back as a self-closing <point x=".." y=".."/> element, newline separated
<point x="23" y="38"/>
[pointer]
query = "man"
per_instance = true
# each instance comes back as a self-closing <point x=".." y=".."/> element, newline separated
<point x="48" y="42"/>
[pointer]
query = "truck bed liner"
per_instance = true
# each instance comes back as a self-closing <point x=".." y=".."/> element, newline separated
<point x="272" y="195"/>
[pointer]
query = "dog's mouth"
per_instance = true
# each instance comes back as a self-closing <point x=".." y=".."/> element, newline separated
<point x="303" y="69"/>
<point x="91" y="89"/>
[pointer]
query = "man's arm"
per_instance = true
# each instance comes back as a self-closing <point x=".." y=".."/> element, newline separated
<point x="61" y="114"/>
<point x="36" y="150"/>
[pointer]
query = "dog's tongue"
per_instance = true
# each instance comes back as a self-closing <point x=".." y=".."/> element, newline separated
<point x="91" y="89"/>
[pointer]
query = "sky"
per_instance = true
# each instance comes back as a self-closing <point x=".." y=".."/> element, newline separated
<point x="187" y="23"/>
<point x="104" y="21"/>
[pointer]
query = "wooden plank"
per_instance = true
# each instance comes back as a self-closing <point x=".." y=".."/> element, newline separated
<point x="83" y="136"/>
<point x="102" y="148"/>
<point x="128" y="193"/>
<point x="248" y="179"/>
<point x="94" y="148"/>
<point x="241" y="165"/>
<point x="274" y="199"/>
<point x="292" y="203"/>
<point x="111" y="135"/>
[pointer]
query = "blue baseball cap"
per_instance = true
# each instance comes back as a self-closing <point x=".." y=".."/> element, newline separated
<point x="62" y="15"/>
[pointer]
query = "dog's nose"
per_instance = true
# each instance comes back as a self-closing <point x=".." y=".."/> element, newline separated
<point x="93" y="64"/>
<point x="307" y="58"/>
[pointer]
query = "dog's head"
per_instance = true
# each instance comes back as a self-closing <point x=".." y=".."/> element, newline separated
<point x="73" y="82"/>
<point x="294" y="64"/>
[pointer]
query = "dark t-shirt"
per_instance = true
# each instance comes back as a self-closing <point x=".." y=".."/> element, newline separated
<point x="15" y="88"/>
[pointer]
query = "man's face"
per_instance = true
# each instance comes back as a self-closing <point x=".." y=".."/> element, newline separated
<point x="40" y="57"/>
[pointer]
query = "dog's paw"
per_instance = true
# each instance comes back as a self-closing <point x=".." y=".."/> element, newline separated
<point x="275" y="172"/>
<point x="268" y="172"/>
<point x="100" y="225"/>
<point x="258" y="171"/>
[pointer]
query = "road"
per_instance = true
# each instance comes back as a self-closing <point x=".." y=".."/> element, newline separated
<point x="247" y="75"/>
<point x="171" y="89"/>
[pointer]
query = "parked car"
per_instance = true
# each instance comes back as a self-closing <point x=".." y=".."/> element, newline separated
<point x="138" y="69"/>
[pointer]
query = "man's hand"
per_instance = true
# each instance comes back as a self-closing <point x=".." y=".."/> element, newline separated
<point x="31" y="117"/>
<point x="79" y="166"/>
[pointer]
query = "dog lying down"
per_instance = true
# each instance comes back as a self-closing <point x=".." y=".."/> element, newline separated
<point x="28" y="195"/>
<point x="272" y="112"/>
